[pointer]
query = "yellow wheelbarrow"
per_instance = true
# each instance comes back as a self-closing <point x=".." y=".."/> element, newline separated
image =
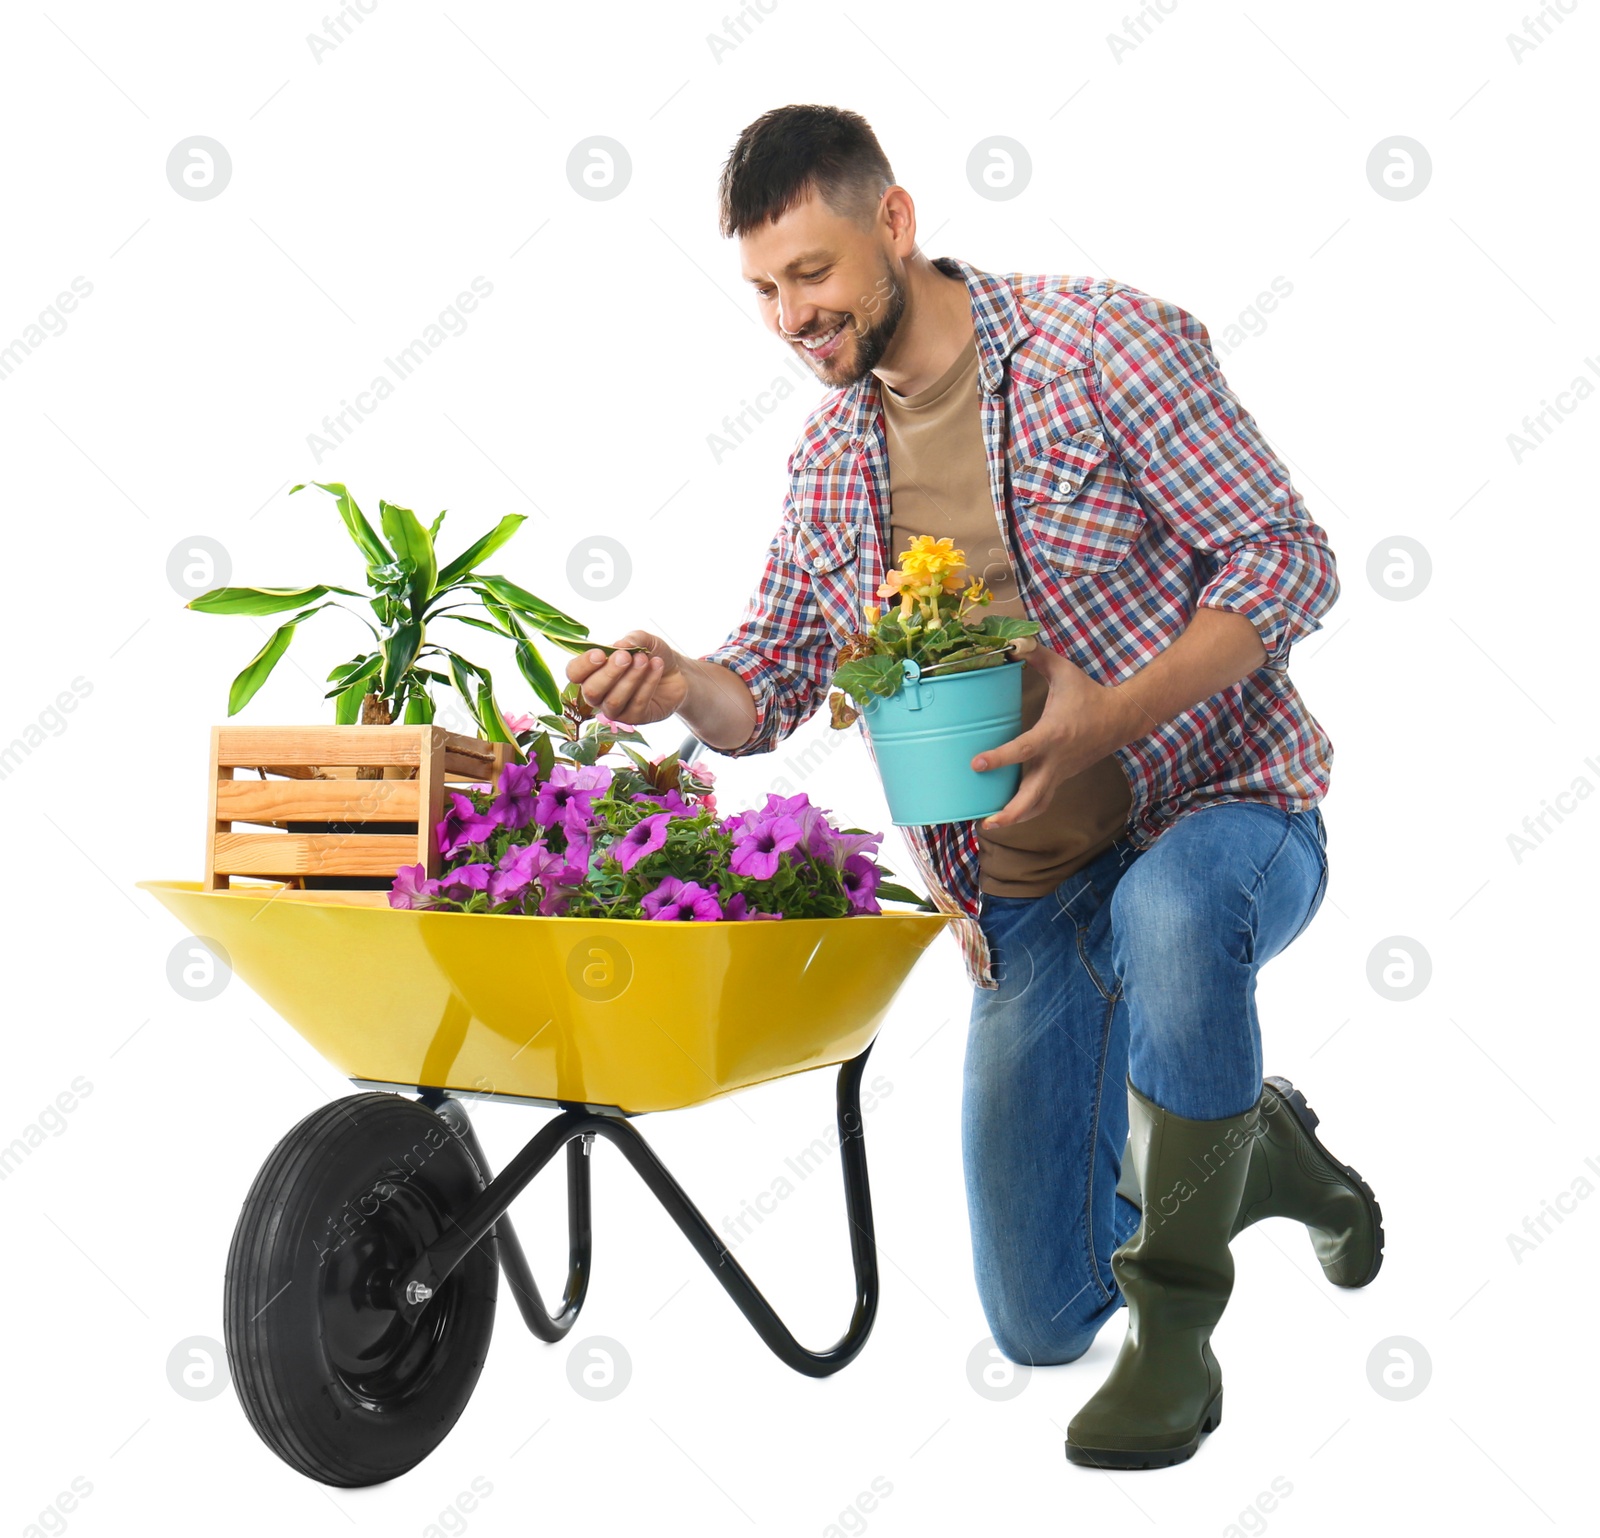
<point x="362" y="1275"/>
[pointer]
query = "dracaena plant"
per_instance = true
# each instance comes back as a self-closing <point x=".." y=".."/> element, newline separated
<point x="408" y="591"/>
<point x="937" y="622"/>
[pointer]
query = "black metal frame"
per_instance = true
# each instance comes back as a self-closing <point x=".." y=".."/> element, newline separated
<point x="576" y="1127"/>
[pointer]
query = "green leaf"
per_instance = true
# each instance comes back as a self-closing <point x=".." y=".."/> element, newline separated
<point x="259" y="600"/>
<point x="520" y="599"/>
<point x="399" y="652"/>
<point x="433" y="528"/>
<point x="480" y="624"/>
<point x="259" y="668"/>
<point x="404" y="530"/>
<point x="355" y="521"/>
<point x="1007" y="625"/>
<point x="419" y="709"/>
<point x="348" y="674"/>
<point x="868" y="676"/>
<point x="482" y="549"/>
<point x="544" y="755"/>
<point x="891" y="892"/>
<point x="504" y="616"/>
<point x="489" y="717"/>
<point x="347" y="708"/>
<point x="577" y="645"/>
<point x="533" y="668"/>
<point x="989" y="659"/>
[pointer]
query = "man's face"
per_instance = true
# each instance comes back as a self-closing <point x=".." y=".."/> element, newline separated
<point x="829" y="286"/>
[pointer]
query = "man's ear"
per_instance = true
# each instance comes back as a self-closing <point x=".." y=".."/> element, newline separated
<point x="899" y="215"/>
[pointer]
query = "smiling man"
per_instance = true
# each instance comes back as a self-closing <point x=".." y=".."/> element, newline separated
<point x="1075" y="438"/>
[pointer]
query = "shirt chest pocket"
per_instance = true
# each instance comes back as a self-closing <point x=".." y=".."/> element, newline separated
<point x="826" y="550"/>
<point x="1079" y="515"/>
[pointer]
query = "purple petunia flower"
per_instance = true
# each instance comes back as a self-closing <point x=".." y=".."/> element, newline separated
<point x="410" y="883"/>
<point x="675" y="899"/>
<point x="459" y="884"/>
<point x="519" y="784"/>
<point x="520" y="866"/>
<point x="463" y="824"/>
<point x="861" y="878"/>
<point x="568" y="786"/>
<point x="759" y="844"/>
<point x="571" y="866"/>
<point x="643" y="838"/>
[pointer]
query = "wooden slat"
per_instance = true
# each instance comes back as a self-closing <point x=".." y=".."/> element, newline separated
<point x="376" y="801"/>
<point x="246" y="746"/>
<point x="461" y="767"/>
<point x="209" y="880"/>
<point x="313" y="854"/>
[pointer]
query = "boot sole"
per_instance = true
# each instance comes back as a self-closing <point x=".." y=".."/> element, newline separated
<point x="1308" y="1120"/>
<point x="1147" y="1458"/>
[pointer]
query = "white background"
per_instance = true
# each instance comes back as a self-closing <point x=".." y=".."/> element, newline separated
<point x="429" y="147"/>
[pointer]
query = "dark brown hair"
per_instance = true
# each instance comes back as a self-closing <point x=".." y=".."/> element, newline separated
<point x="790" y="150"/>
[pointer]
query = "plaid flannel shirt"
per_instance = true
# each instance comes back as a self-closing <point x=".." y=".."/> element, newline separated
<point x="1131" y="488"/>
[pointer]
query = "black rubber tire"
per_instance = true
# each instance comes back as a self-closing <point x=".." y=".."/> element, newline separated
<point x="330" y="1376"/>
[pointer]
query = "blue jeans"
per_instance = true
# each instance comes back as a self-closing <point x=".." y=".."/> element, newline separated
<point x="1141" y="965"/>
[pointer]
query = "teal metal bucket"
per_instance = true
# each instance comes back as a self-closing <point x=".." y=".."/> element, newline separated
<point x="925" y="736"/>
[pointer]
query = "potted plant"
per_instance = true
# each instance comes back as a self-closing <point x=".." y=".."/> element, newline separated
<point x="937" y="681"/>
<point x="407" y="590"/>
<point x="384" y="686"/>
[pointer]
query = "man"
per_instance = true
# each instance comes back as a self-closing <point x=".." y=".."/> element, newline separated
<point x="1077" y="439"/>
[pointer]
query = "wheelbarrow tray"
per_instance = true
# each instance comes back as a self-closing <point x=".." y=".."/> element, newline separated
<point x="633" y="1015"/>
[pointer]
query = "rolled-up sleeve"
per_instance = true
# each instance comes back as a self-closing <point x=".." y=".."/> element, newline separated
<point x="1199" y="462"/>
<point x="780" y="648"/>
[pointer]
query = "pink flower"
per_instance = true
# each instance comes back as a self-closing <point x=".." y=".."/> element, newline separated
<point x="515" y="724"/>
<point x="760" y="843"/>
<point x="643" y="838"/>
<point x="861" y="878"/>
<point x="459" y="884"/>
<point x="519" y="784"/>
<point x="569" y="786"/>
<point x="410" y="883"/>
<point x="520" y="866"/>
<point x="675" y="899"/>
<point x="463" y="824"/>
<point x="571" y="866"/>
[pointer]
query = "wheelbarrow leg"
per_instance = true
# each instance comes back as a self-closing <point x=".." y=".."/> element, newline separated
<point x="487" y="1215"/>
<point x="734" y="1279"/>
<point x="513" y="1259"/>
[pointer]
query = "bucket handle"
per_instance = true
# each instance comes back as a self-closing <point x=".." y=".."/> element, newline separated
<point x="911" y="672"/>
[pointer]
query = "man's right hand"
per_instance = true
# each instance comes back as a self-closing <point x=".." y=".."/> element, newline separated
<point x="634" y="688"/>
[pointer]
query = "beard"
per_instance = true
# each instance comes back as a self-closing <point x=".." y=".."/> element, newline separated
<point x="867" y="345"/>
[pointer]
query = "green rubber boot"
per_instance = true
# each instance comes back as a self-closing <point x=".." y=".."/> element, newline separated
<point x="1293" y="1176"/>
<point x="1164" y="1390"/>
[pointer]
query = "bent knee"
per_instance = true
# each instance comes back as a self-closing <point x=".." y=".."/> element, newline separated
<point x="1038" y="1340"/>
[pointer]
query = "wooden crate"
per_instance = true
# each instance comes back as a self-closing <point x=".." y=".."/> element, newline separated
<point x="308" y="774"/>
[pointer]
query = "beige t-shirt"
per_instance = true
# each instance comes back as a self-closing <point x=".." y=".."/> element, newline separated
<point x="939" y="485"/>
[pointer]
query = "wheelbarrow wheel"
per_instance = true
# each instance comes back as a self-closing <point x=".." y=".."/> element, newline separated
<point x="333" y="1379"/>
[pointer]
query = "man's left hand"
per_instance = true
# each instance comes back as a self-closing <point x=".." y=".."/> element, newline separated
<point x="1081" y="722"/>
